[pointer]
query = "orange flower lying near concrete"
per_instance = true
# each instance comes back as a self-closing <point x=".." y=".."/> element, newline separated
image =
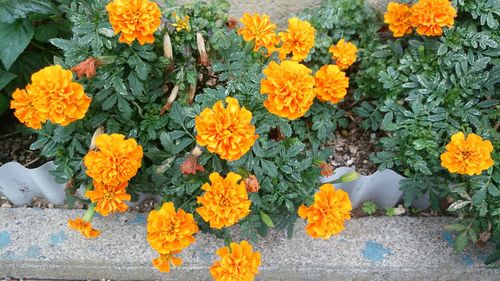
<point x="84" y="227"/>
<point x="238" y="263"/>
<point x="108" y="198"/>
<point x="162" y="263"/>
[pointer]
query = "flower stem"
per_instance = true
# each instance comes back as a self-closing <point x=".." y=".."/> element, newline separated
<point x="89" y="214"/>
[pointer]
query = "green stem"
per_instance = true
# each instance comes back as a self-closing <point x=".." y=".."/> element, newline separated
<point x="89" y="214"/>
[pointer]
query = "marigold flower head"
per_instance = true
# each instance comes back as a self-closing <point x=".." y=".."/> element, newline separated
<point x="344" y="53"/>
<point x="252" y="184"/>
<point x="261" y="30"/>
<point x="289" y="89"/>
<point x="135" y="19"/>
<point x="430" y="16"/>
<point x="109" y="198"/>
<point x="298" y="39"/>
<point x="330" y="84"/>
<point x="226" y="131"/>
<point x="467" y="156"/>
<point x="169" y="230"/>
<point x="240" y="263"/>
<point x="225" y="201"/>
<point x="58" y="97"/>
<point x="162" y="263"/>
<point x="398" y="19"/>
<point x="84" y="227"/>
<point x="181" y="23"/>
<point x="116" y="161"/>
<point x="24" y="109"/>
<point x="327" y="214"/>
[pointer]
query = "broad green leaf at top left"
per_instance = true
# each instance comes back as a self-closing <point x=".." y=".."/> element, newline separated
<point x="15" y="38"/>
<point x="11" y="10"/>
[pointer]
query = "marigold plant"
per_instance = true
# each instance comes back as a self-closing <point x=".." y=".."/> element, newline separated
<point x="469" y="155"/>
<point x="298" y="39"/>
<point x="226" y="131"/>
<point x="398" y="19"/>
<point x="225" y="200"/>
<point x="237" y="262"/>
<point x="330" y="84"/>
<point x="344" y="53"/>
<point x="289" y="89"/>
<point x="326" y="216"/>
<point x="261" y="30"/>
<point x="430" y="16"/>
<point x="134" y="19"/>
<point x="116" y="161"/>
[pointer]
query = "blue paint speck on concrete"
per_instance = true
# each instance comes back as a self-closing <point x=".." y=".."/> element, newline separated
<point x="468" y="260"/>
<point x="34" y="252"/>
<point x="448" y="237"/>
<point x="4" y="239"/>
<point x="58" y="238"/>
<point x="375" y="252"/>
<point x="139" y="219"/>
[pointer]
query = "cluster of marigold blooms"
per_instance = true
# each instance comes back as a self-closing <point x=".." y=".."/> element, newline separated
<point x="428" y="17"/>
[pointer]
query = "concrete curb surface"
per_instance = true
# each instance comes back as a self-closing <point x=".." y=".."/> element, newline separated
<point x="36" y="243"/>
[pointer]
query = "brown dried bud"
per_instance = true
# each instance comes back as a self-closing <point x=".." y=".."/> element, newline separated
<point x="251" y="184"/>
<point x="170" y="100"/>
<point x="190" y="165"/>
<point x="276" y="134"/>
<point x="326" y="169"/>
<point x="204" y="60"/>
<point x="167" y="47"/>
<point x="86" y="68"/>
<point x="99" y="131"/>
<point x="231" y="23"/>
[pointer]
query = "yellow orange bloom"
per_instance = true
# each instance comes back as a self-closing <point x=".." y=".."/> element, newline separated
<point x="330" y="84"/>
<point x="228" y="131"/>
<point x="398" y="19"/>
<point x="85" y="228"/>
<point x="298" y="39"/>
<point x="169" y="230"/>
<point x="240" y="263"/>
<point x="135" y="19"/>
<point x="109" y="198"/>
<point x="289" y="89"/>
<point x="430" y="16"/>
<point x="57" y="96"/>
<point x="181" y="23"/>
<point x="344" y="53"/>
<point x="327" y="214"/>
<point x="225" y="201"/>
<point x="162" y="263"/>
<point x="261" y="30"/>
<point x="116" y="161"/>
<point x="467" y="156"/>
<point x="23" y="104"/>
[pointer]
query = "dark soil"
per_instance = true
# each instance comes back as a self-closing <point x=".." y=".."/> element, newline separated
<point x="15" y="141"/>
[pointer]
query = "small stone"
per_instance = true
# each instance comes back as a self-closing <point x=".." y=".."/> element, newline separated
<point x="365" y="162"/>
<point x="6" y="205"/>
<point x="399" y="210"/>
<point x="353" y="149"/>
<point x="50" y="205"/>
<point x="21" y="158"/>
<point x="349" y="162"/>
<point x="339" y="148"/>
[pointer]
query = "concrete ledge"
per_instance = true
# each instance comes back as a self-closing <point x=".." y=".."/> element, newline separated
<point x="36" y="243"/>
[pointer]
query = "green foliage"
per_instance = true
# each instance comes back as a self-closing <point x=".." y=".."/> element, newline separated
<point x="417" y="91"/>
<point x="26" y="27"/>
<point x="128" y="97"/>
<point x="369" y="207"/>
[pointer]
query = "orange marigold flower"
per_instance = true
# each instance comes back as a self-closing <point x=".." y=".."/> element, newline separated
<point x="430" y="16"/>
<point x="116" y="161"/>
<point x="109" y="198"/>
<point x="467" y="156"/>
<point x="327" y="214"/>
<point x="251" y="184"/>
<point x="298" y="39"/>
<point x="326" y="169"/>
<point x="59" y="98"/>
<point x="330" y="84"/>
<point x="135" y="19"/>
<point x="23" y="104"/>
<point x="226" y="131"/>
<point x="261" y="30"/>
<point x="84" y="227"/>
<point x="225" y="201"/>
<point x="86" y="68"/>
<point x="398" y="19"/>
<point x="169" y="230"/>
<point x="240" y="263"/>
<point x="289" y="89"/>
<point x="162" y="263"/>
<point x="344" y="53"/>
